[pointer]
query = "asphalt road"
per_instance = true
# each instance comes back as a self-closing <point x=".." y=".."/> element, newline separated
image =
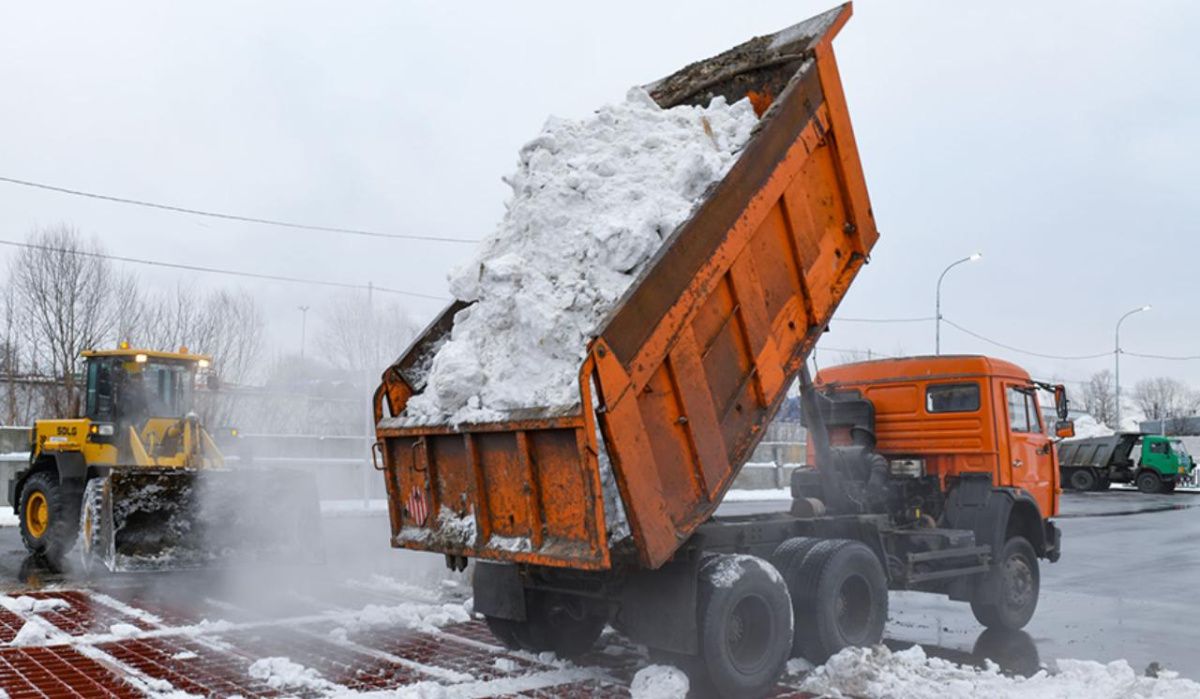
<point x="1124" y="588"/>
<point x="1127" y="586"/>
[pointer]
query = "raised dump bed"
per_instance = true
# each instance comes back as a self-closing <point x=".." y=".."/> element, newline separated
<point x="690" y="365"/>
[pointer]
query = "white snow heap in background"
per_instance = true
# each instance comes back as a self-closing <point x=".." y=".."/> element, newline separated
<point x="593" y="200"/>
<point x="1087" y="426"/>
<point x="910" y="674"/>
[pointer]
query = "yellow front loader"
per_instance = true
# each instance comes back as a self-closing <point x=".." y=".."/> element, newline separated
<point x="139" y="483"/>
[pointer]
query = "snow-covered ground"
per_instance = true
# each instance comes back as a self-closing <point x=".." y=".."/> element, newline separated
<point x="911" y="674"/>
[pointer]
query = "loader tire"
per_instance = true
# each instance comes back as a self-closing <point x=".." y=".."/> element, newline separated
<point x="745" y="619"/>
<point x="840" y="596"/>
<point x="1083" y="480"/>
<point x="1017" y="582"/>
<point x="49" y="516"/>
<point x="91" y="529"/>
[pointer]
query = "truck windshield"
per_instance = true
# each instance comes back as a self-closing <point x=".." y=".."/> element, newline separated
<point x="1179" y="447"/>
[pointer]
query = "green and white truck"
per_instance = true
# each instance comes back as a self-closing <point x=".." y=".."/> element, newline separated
<point x="1154" y="463"/>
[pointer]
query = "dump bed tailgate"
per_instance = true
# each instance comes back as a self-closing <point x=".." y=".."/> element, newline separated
<point x="690" y="365"/>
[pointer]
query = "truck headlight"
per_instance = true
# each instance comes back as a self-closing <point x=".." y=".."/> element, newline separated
<point x="907" y="468"/>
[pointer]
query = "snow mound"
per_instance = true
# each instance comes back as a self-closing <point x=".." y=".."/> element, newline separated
<point x="659" y="682"/>
<point x="282" y="673"/>
<point x="123" y="630"/>
<point x="407" y="615"/>
<point x="910" y="674"/>
<point x="592" y="202"/>
<point x="1087" y="426"/>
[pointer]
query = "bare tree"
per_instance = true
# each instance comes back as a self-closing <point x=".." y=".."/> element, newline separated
<point x="1099" y="398"/>
<point x="68" y="300"/>
<point x="358" y="335"/>
<point x="1166" y="399"/>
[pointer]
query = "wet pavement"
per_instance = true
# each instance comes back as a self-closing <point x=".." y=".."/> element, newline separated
<point x="1123" y="589"/>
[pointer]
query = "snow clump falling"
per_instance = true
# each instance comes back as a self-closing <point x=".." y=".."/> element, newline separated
<point x="593" y="200"/>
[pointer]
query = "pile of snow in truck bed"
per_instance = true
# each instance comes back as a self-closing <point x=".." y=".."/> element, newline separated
<point x="593" y="200"/>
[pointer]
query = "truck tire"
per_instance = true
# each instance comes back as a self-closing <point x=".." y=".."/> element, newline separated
<point x="49" y="516"/>
<point x="745" y="618"/>
<point x="1083" y="479"/>
<point x="91" y="530"/>
<point x="839" y="593"/>
<point x="564" y="624"/>
<point x="1149" y="483"/>
<point x="1017" y="582"/>
<point x="1169" y="486"/>
<point x="505" y="631"/>
<point x="1103" y="484"/>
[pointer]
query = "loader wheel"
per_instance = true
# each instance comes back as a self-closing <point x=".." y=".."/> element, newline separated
<point x="91" y="536"/>
<point x="565" y="624"/>
<point x="745" y="616"/>
<point x="48" y="518"/>
<point x="1016" y="582"/>
<point x="1083" y="479"/>
<point x="840" y="597"/>
<point x="1149" y="483"/>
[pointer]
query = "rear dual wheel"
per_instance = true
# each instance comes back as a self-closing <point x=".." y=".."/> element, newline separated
<point x="1083" y="479"/>
<point x="839" y="595"/>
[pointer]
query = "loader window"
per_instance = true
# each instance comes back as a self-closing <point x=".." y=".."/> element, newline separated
<point x="952" y="398"/>
<point x="99" y="390"/>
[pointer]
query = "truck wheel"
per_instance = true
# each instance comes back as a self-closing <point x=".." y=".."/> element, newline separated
<point x="1103" y="484"/>
<point x="48" y="518"/>
<point x="1016" y="580"/>
<point x="745" y="616"/>
<point x="839" y="590"/>
<point x="1169" y="486"/>
<point x="505" y="631"/>
<point x="1149" y="483"/>
<point x="1083" y="479"/>
<point x="565" y="624"/>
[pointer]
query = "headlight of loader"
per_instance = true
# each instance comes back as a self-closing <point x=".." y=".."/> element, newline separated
<point x="101" y="429"/>
<point x="907" y="468"/>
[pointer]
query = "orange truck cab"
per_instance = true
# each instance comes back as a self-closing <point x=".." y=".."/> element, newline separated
<point x="957" y="415"/>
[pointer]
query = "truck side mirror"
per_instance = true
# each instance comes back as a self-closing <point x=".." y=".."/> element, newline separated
<point x="1064" y="429"/>
<point x="1061" y="404"/>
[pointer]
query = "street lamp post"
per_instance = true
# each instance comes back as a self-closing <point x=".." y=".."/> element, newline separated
<point x="1117" y="360"/>
<point x="303" y="327"/>
<point x="937" y="341"/>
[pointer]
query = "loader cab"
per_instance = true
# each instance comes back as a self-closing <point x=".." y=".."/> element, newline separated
<point x="128" y="387"/>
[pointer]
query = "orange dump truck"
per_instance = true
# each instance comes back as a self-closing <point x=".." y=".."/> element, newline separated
<point x="603" y="512"/>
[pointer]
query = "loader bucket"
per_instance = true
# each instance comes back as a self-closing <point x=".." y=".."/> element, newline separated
<point x="154" y="519"/>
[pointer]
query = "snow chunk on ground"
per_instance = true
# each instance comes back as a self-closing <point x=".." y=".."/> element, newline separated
<point x="410" y="615"/>
<point x="33" y="633"/>
<point x="282" y="673"/>
<point x="30" y="604"/>
<point x="910" y="674"/>
<point x="659" y="682"/>
<point x="593" y="200"/>
<point x="507" y="665"/>
<point x="123" y="630"/>
<point x="184" y="655"/>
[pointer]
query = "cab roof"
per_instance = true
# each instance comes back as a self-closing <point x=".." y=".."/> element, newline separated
<point x="153" y="354"/>
<point x="921" y="368"/>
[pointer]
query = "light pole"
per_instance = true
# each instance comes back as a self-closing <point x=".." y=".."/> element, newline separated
<point x="1117" y="359"/>
<point x="937" y="342"/>
<point x="303" y="327"/>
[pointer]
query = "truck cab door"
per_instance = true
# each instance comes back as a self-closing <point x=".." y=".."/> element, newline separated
<point x="1031" y="453"/>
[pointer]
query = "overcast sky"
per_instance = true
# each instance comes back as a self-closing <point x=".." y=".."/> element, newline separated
<point x="1057" y="138"/>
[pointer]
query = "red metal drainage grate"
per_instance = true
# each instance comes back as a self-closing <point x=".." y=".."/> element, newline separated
<point x="210" y="672"/>
<point x="336" y="663"/>
<point x="57" y="672"/>
<point x="85" y="615"/>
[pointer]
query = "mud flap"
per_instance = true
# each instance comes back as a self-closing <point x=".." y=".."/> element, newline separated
<point x="151" y="519"/>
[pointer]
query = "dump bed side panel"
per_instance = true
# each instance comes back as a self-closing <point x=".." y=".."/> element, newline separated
<point x="697" y="358"/>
